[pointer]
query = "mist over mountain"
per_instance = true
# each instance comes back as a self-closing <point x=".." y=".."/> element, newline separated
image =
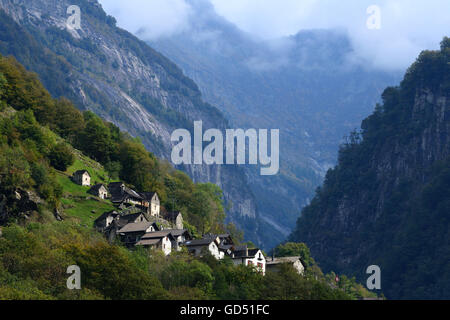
<point x="406" y="26"/>
<point x="306" y="85"/>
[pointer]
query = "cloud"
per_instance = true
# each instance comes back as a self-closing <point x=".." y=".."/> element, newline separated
<point x="150" y="19"/>
<point x="407" y="26"/>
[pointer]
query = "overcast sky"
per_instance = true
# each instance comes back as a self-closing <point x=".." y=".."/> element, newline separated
<point x="406" y="26"/>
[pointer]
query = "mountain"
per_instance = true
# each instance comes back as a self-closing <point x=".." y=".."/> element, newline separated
<point x="386" y="203"/>
<point x="48" y="243"/>
<point x="306" y="85"/>
<point x="105" y="69"/>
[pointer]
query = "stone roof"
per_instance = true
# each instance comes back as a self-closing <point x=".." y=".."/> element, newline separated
<point x="148" y="242"/>
<point x="244" y="252"/>
<point x="225" y="238"/>
<point x="119" y="192"/>
<point x="199" y="242"/>
<point x="106" y="214"/>
<point x="156" y="234"/>
<point x="81" y="172"/>
<point x="131" y="217"/>
<point x="178" y="232"/>
<point x="160" y="221"/>
<point x="97" y="187"/>
<point x="148" y="196"/>
<point x="283" y="260"/>
<point x="136" y="227"/>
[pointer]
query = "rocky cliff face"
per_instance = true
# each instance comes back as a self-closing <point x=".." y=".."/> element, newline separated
<point x="386" y="203"/>
<point x="18" y="205"/>
<point x="107" y="70"/>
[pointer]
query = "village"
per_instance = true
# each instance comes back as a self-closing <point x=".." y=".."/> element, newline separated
<point x="138" y="221"/>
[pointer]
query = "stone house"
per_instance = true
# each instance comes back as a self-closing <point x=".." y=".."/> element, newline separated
<point x="226" y="243"/>
<point x="250" y="257"/>
<point x="296" y="262"/>
<point x="133" y="218"/>
<point x="175" y="218"/>
<point x="162" y="240"/>
<point x="82" y="177"/>
<point x="180" y="236"/>
<point x="202" y="246"/>
<point x="121" y="194"/>
<point x="150" y="200"/>
<point x="99" y="190"/>
<point x="106" y="219"/>
<point x="132" y="233"/>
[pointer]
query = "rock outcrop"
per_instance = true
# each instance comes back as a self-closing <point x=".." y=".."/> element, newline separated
<point x="18" y="205"/>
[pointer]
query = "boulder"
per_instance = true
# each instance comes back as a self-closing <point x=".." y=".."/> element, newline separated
<point x="18" y="204"/>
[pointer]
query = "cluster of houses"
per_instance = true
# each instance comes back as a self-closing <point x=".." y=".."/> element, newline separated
<point x="140" y="222"/>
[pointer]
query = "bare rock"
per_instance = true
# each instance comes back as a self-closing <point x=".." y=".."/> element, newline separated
<point x="57" y="215"/>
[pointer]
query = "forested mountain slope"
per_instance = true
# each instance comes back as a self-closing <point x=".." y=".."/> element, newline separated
<point x="46" y="220"/>
<point x="387" y="201"/>
<point x="107" y="70"/>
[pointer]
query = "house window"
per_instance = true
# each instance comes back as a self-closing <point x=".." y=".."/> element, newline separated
<point x="250" y="263"/>
<point x="260" y="265"/>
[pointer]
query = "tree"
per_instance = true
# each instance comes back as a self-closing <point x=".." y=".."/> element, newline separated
<point x="113" y="169"/>
<point x="2" y="86"/>
<point x="138" y="167"/>
<point x="192" y="274"/>
<point x="14" y="169"/>
<point x="293" y="249"/>
<point x="95" y="140"/>
<point x="69" y="121"/>
<point x="61" y="157"/>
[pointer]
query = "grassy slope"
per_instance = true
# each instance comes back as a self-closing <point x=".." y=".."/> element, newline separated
<point x="78" y="205"/>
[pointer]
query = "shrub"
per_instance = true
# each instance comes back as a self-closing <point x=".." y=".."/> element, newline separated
<point x="61" y="157"/>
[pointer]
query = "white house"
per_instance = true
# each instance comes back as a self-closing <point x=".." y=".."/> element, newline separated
<point x="82" y="177"/>
<point x="199" y="247"/>
<point x="99" y="190"/>
<point x="160" y="240"/>
<point x="133" y="232"/>
<point x="151" y="202"/>
<point x="250" y="257"/>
